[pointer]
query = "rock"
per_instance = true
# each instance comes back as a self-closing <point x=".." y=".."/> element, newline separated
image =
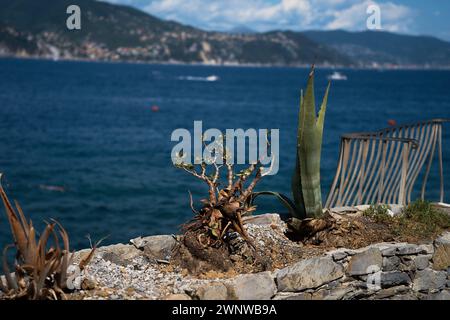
<point x="441" y="256"/>
<point x="396" y="209"/>
<point x="80" y="254"/>
<point x="265" y="219"/>
<point x="427" y="248"/>
<point x="380" y="246"/>
<point x="402" y="249"/>
<point x="407" y="296"/>
<point x="343" y="210"/>
<point x="333" y="294"/>
<point x="293" y="296"/>
<point x="365" y="262"/>
<point x="357" y="295"/>
<point x="391" y="263"/>
<point x="88" y="284"/>
<point x="429" y="279"/>
<point x="212" y="291"/>
<point x="390" y="292"/>
<point x="422" y="261"/>
<point x="407" y="263"/>
<point x="155" y="247"/>
<point x="257" y="286"/>
<point x="338" y="254"/>
<point x="120" y="254"/>
<point x="394" y="278"/>
<point x="362" y="207"/>
<point x="308" y="274"/>
<point x="443" y="295"/>
<point x="177" y="296"/>
<point x="76" y="283"/>
<point x="408" y="249"/>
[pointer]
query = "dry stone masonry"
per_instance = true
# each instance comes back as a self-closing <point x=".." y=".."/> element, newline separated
<point x="398" y="271"/>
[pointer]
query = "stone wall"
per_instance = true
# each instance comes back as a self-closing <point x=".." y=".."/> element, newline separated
<point x="380" y="271"/>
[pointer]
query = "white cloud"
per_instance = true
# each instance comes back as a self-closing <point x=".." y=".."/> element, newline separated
<point x="393" y="17"/>
<point x="263" y="15"/>
<point x="258" y="14"/>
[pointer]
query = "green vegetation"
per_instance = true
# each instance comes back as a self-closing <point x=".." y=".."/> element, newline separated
<point x="418" y="220"/>
<point x="378" y="213"/>
<point x="421" y="217"/>
<point x="305" y="182"/>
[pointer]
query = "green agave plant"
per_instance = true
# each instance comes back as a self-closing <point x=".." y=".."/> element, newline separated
<point x="306" y="191"/>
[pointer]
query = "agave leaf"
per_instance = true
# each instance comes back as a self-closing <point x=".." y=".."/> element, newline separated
<point x="22" y="216"/>
<point x="43" y="274"/>
<point x="42" y="245"/>
<point x="323" y="110"/>
<point x="30" y="254"/>
<point x="65" y="258"/>
<point x="12" y="283"/>
<point x="296" y="187"/>
<point x="306" y="179"/>
<point x="285" y="201"/>
<point x="17" y="228"/>
<point x="2" y="286"/>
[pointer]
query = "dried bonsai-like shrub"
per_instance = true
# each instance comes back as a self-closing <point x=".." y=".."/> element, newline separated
<point x="224" y="208"/>
<point x="205" y="237"/>
<point x="40" y="268"/>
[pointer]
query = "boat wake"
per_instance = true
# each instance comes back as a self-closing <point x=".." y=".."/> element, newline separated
<point x="52" y="188"/>
<point x="210" y="78"/>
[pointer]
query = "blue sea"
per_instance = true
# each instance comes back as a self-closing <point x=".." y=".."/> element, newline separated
<point x="79" y="141"/>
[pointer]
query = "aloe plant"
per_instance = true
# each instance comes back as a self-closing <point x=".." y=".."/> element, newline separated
<point x="305" y="185"/>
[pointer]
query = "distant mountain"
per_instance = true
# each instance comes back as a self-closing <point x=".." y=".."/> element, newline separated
<point x="242" y="29"/>
<point x="110" y="32"/>
<point x="113" y="32"/>
<point x="376" y="47"/>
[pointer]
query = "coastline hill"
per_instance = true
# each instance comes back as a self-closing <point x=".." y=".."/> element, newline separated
<point x="109" y="32"/>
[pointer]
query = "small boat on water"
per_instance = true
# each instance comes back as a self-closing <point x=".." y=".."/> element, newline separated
<point x="212" y="78"/>
<point x="337" y="76"/>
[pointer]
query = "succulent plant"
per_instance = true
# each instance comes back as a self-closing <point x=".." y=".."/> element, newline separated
<point x="305" y="184"/>
<point x="40" y="268"/>
<point x="306" y="179"/>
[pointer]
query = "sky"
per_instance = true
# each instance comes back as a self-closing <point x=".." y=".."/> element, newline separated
<point x="424" y="17"/>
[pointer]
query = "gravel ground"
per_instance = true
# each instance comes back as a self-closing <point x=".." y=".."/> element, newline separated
<point x="142" y="278"/>
<point x="138" y="280"/>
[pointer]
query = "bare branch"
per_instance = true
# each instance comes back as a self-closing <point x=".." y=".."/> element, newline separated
<point x="193" y="172"/>
<point x="217" y="172"/>
<point x="239" y="182"/>
<point x="230" y="175"/>
<point x="203" y="172"/>
<point x="252" y="185"/>
<point x="191" y="202"/>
